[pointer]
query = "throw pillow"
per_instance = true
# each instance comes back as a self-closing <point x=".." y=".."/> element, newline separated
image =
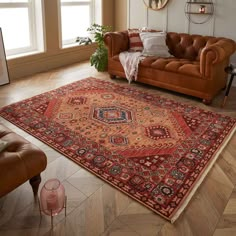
<point x="135" y="43"/>
<point x="154" y="44"/>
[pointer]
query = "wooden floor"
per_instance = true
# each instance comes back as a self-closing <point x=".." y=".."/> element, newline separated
<point x="94" y="207"/>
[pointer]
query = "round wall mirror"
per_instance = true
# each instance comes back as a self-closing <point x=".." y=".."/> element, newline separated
<point x="155" y="4"/>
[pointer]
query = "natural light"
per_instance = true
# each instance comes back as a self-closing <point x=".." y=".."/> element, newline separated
<point x="13" y="38"/>
<point x="22" y="26"/>
<point x="76" y="17"/>
<point x="75" y="21"/>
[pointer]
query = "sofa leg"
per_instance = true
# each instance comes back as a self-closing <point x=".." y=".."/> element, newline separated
<point x="34" y="182"/>
<point x="207" y="101"/>
<point x="112" y="76"/>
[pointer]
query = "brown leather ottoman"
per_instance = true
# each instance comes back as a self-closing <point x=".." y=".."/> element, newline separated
<point x="19" y="161"/>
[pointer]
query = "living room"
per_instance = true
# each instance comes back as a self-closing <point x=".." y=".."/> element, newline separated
<point x="57" y="80"/>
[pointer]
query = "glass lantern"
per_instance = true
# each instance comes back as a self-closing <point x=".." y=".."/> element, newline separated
<point x="52" y="198"/>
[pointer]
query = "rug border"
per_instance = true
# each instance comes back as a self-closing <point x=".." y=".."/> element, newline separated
<point x="203" y="176"/>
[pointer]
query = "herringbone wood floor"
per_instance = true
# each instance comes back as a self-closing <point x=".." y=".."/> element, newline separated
<point x="96" y="208"/>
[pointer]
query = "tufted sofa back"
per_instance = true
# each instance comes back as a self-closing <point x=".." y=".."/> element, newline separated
<point x="181" y="45"/>
<point x="188" y="46"/>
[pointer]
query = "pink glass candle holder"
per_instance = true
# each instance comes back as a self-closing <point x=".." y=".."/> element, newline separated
<point x="52" y="197"/>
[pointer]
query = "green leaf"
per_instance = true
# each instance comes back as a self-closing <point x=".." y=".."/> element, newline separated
<point x="99" y="58"/>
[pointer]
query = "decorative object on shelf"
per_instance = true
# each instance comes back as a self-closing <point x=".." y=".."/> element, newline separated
<point x="4" y="75"/>
<point x="155" y="4"/>
<point x="99" y="58"/>
<point x="199" y="12"/>
<point x="52" y="198"/>
<point x="202" y="9"/>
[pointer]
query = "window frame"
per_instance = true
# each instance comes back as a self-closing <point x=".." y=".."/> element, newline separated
<point x="90" y="3"/>
<point x="30" y="6"/>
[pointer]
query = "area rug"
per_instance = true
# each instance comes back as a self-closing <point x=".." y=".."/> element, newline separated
<point x="155" y="150"/>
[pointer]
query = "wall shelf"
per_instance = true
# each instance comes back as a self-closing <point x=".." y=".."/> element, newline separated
<point x="200" y="3"/>
<point x="199" y="12"/>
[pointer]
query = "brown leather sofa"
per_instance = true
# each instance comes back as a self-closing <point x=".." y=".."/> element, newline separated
<point x="196" y="69"/>
<point x="19" y="161"/>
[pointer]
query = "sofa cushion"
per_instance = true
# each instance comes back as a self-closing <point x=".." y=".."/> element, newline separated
<point x="154" y="44"/>
<point x="174" y="65"/>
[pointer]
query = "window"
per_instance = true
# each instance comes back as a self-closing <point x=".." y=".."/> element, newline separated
<point x="19" y="22"/>
<point x="76" y="17"/>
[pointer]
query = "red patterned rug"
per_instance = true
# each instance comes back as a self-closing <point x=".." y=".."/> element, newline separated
<point x="155" y="150"/>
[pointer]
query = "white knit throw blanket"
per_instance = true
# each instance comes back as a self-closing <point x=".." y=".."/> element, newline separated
<point x="130" y="62"/>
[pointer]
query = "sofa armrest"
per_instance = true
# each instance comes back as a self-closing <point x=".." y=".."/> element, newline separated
<point x="214" y="54"/>
<point x="116" y="42"/>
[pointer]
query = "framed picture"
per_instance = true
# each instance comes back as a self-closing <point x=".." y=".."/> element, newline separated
<point x="4" y="75"/>
<point x="155" y="4"/>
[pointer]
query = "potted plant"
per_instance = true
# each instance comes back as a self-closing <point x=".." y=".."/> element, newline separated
<point x="99" y="58"/>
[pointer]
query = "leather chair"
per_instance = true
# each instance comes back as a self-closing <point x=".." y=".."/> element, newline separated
<point x="19" y="161"/>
